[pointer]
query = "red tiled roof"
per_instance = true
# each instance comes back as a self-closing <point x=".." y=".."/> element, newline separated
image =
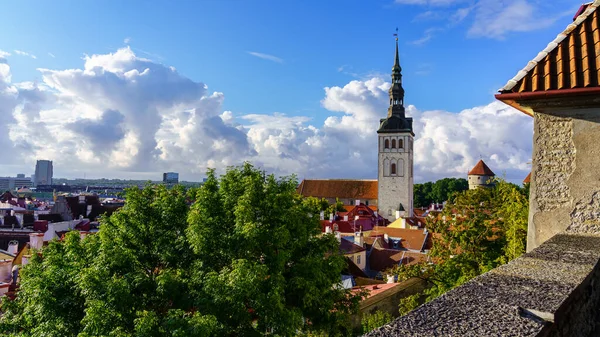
<point x="568" y="65"/>
<point x="342" y="188"/>
<point x="342" y="226"/>
<point x="375" y="289"/>
<point x="347" y="247"/>
<point x="481" y="169"/>
<point x="413" y="239"/>
<point x="527" y="179"/>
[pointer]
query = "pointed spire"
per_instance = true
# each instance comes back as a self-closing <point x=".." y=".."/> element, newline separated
<point x="396" y="91"/>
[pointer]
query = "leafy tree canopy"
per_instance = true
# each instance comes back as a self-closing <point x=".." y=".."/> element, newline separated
<point x="477" y="231"/>
<point x="442" y="190"/>
<point x="245" y="259"/>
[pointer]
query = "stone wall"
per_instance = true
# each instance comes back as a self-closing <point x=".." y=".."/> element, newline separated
<point x="565" y="179"/>
<point x="553" y="290"/>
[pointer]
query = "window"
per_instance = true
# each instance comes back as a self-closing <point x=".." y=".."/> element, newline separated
<point x="358" y="259"/>
<point x="387" y="144"/>
<point x="393" y="168"/>
<point x="400" y="143"/>
<point x="389" y="212"/>
<point x="393" y="143"/>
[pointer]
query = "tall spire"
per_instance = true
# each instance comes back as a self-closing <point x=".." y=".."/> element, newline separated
<point x="396" y="91"/>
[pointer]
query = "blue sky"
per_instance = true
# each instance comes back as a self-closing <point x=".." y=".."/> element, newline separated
<point x="454" y="53"/>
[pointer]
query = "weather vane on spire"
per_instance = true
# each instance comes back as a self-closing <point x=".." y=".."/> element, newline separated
<point x="396" y="34"/>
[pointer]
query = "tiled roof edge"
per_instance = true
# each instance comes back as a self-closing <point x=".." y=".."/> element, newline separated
<point x="551" y="46"/>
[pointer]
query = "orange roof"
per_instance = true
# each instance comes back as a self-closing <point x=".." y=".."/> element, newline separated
<point x="481" y="169"/>
<point x="375" y="289"/>
<point x="568" y="65"/>
<point x="411" y="238"/>
<point x="527" y="179"/>
<point x="342" y="188"/>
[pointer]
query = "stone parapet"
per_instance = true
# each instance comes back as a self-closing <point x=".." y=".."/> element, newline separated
<point x="553" y="290"/>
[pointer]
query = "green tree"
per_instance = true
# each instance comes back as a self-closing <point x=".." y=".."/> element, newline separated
<point x="373" y="321"/>
<point x="245" y="259"/>
<point x="440" y="191"/>
<point x="477" y="231"/>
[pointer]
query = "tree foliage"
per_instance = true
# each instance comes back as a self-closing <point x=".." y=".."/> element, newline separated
<point x="477" y="231"/>
<point x="373" y="321"/>
<point x="442" y="190"/>
<point x="244" y="259"/>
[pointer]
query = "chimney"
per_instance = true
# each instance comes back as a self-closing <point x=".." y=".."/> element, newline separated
<point x="357" y="202"/>
<point x="322" y="215"/>
<point x="328" y="230"/>
<point x="356" y="217"/>
<point x="397" y="214"/>
<point x="390" y="279"/>
<point x="403" y="223"/>
<point x="359" y="239"/>
<point x="5" y="271"/>
<point x="386" y="238"/>
<point x="25" y="259"/>
<point x="330" y="217"/>
<point x="375" y="213"/>
<point x="36" y="240"/>
<point x="89" y="210"/>
<point x="338" y="236"/>
<point x="13" y="247"/>
<point x="345" y="218"/>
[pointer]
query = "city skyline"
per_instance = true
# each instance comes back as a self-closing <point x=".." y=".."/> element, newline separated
<point x="284" y="98"/>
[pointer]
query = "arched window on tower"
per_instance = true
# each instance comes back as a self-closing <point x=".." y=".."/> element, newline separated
<point x="400" y="143"/>
<point x="393" y="169"/>
<point x="393" y="143"/>
<point x="386" y="144"/>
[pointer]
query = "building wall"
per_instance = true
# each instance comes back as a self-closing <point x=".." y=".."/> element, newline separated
<point x="565" y="184"/>
<point x="394" y="189"/>
<point x="359" y="259"/>
<point x="43" y="172"/>
<point x="478" y="181"/>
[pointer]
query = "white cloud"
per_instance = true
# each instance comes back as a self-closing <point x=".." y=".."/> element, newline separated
<point x="4" y="54"/>
<point x="427" y="35"/>
<point x="22" y="53"/>
<point x="495" y="19"/>
<point x="266" y="57"/>
<point x="125" y="116"/>
<point x="51" y="55"/>
<point x="127" y="40"/>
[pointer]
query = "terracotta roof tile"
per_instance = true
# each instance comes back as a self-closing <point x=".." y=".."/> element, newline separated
<point x="342" y="188"/>
<point x="527" y="179"/>
<point x="413" y="239"/>
<point x="571" y="61"/>
<point x="481" y="169"/>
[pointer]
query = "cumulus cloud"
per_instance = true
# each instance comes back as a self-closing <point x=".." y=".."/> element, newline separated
<point x="495" y="19"/>
<point x="123" y="115"/>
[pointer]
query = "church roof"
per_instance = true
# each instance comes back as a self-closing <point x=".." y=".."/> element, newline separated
<point x="481" y="169"/>
<point x="570" y="64"/>
<point x="338" y="188"/>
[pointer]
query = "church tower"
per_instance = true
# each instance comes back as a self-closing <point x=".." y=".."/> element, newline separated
<point x="395" y="158"/>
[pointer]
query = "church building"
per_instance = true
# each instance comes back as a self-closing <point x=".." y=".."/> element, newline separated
<point x="394" y="185"/>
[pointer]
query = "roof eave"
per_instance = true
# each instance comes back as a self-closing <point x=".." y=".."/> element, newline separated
<point x="518" y="100"/>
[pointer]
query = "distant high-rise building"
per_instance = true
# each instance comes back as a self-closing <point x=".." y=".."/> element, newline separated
<point x="170" y="177"/>
<point x="43" y="172"/>
<point x="12" y="183"/>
